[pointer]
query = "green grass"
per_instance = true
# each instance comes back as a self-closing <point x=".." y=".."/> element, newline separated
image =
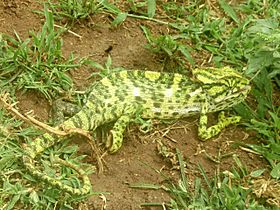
<point x="170" y="49"/>
<point x="227" y="190"/>
<point x="17" y="188"/>
<point x="74" y="10"/>
<point x="37" y="62"/>
<point x="245" y="36"/>
<point x="237" y="36"/>
<point x="230" y="190"/>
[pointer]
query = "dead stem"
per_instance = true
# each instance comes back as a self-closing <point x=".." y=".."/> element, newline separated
<point x="4" y="98"/>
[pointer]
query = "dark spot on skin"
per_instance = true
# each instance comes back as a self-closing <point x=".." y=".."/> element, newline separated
<point x="157" y="114"/>
<point x="177" y="95"/>
<point x="161" y="100"/>
<point x="175" y="114"/>
<point x="177" y="101"/>
<point x="157" y="105"/>
<point x="171" y="107"/>
<point x="143" y="101"/>
<point x="106" y="96"/>
<point x="114" y="113"/>
<point x="170" y="101"/>
<point x="121" y="98"/>
<point x="138" y="98"/>
<point x="89" y="115"/>
<point x="160" y="95"/>
<point x="47" y="139"/>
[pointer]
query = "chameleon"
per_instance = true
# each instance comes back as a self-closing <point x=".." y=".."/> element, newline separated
<point x="120" y="95"/>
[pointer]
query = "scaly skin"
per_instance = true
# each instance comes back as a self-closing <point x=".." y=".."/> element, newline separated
<point x="117" y="98"/>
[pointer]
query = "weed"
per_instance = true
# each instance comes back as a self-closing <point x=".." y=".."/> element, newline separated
<point x="74" y="10"/>
<point x="103" y="70"/>
<point x="149" y="11"/>
<point x="229" y="190"/>
<point x="37" y="62"/>
<point x="264" y="66"/>
<point x="268" y="132"/>
<point x="26" y="191"/>
<point x="169" y="48"/>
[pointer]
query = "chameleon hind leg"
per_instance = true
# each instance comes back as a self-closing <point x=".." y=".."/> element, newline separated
<point x="206" y="133"/>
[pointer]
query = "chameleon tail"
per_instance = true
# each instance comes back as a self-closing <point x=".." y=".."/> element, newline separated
<point x="38" y="146"/>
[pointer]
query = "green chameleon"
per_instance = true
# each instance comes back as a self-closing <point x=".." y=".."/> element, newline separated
<point x="119" y="96"/>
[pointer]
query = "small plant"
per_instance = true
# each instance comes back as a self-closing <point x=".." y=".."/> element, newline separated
<point x="37" y="62"/>
<point x="233" y="189"/>
<point x="74" y="10"/>
<point x="149" y="11"/>
<point x="269" y="134"/>
<point x="103" y="70"/>
<point x="264" y="38"/>
<point x="18" y="188"/>
<point x="264" y="66"/>
<point x="169" y="48"/>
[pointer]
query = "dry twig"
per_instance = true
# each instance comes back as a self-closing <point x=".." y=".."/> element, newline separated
<point x="61" y="131"/>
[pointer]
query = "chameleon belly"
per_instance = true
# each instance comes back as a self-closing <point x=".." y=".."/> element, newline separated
<point x="119" y="96"/>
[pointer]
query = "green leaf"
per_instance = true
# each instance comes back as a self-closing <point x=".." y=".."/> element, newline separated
<point x="274" y="73"/>
<point x="110" y="7"/>
<point x="244" y="110"/>
<point x="275" y="172"/>
<point x="264" y="26"/>
<point x="229" y="10"/>
<point x="147" y="33"/>
<point x="145" y="186"/>
<point x="151" y="8"/>
<point x="276" y="119"/>
<point x="34" y="197"/>
<point x="187" y="54"/>
<point x="259" y="60"/>
<point x="94" y="64"/>
<point x="6" y="162"/>
<point x="119" y="19"/>
<point x="69" y="149"/>
<point x="257" y="173"/>
<point x="13" y="201"/>
<point x="108" y="63"/>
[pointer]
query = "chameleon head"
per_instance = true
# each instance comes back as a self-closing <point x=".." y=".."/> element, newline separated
<point x="224" y="87"/>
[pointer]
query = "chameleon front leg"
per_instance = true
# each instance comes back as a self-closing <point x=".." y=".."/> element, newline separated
<point x="206" y="133"/>
<point x="120" y="126"/>
<point x="117" y="133"/>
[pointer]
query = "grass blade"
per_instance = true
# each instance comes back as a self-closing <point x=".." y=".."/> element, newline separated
<point x="119" y="19"/>
<point x="229" y="10"/>
<point x="151" y="8"/>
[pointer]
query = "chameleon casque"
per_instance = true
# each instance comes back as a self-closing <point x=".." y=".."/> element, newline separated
<point x="118" y="96"/>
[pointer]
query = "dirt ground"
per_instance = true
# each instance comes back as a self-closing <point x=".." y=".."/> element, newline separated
<point x="139" y="156"/>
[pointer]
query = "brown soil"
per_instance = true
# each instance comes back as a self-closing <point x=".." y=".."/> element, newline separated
<point x="137" y="159"/>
